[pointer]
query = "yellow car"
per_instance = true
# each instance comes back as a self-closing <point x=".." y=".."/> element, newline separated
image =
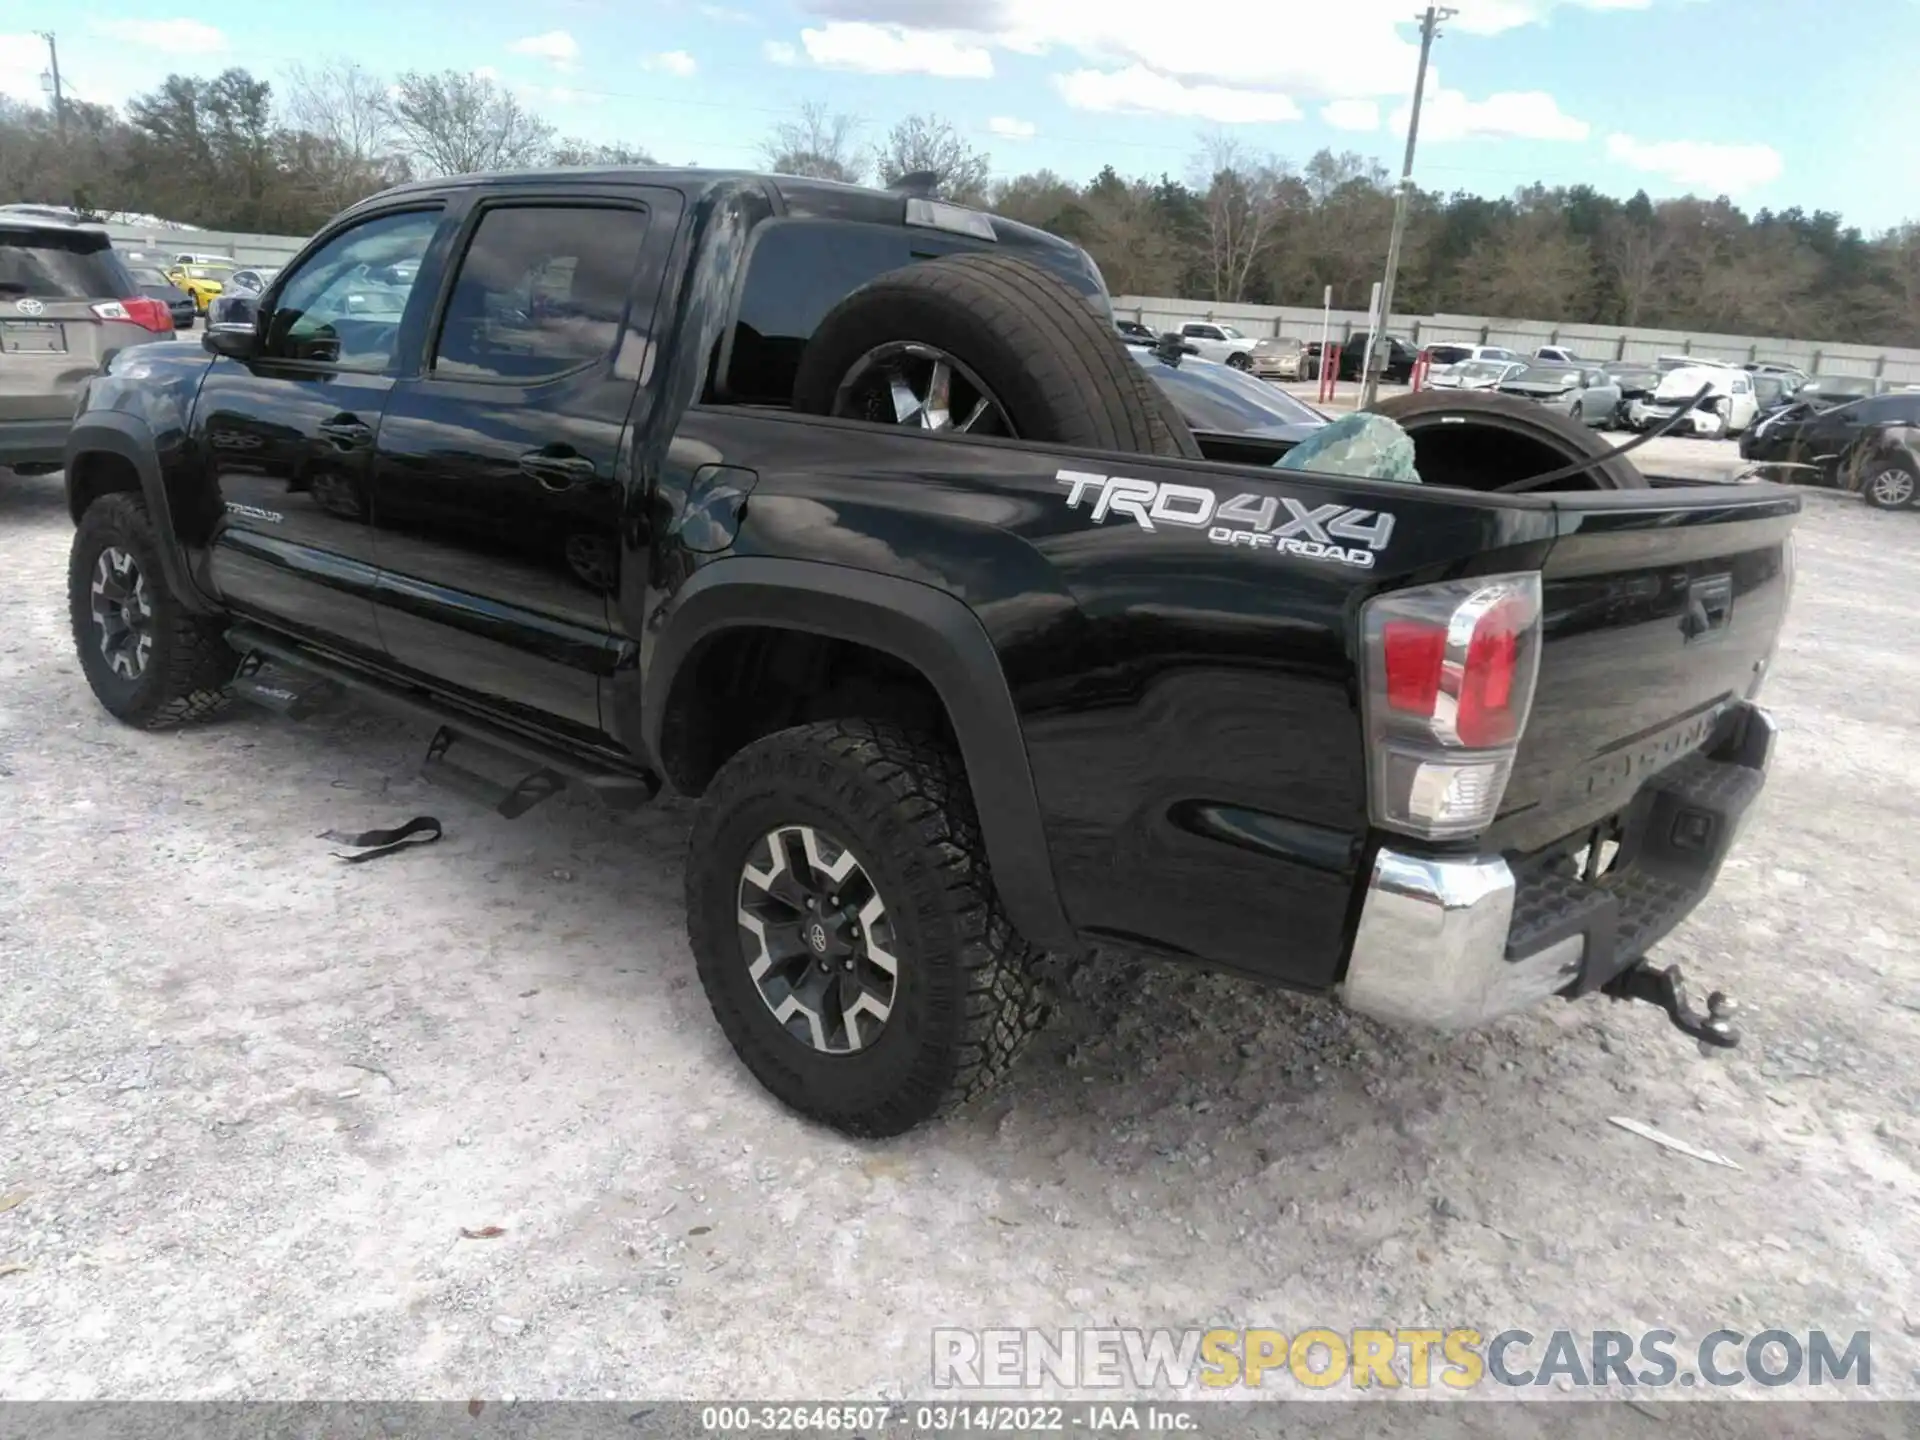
<point x="203" y="282"/>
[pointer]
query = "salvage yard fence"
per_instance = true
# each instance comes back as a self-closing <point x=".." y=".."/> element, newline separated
<point x="1600" y="342"/>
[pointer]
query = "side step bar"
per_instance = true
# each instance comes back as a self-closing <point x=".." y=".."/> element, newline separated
<point x="292" y="681"/>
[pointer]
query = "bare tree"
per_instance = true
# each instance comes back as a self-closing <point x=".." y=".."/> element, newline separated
<point x="342" y="110"/>
<point x="1244" y="201"/>
<point x="1533" y="269"/>
<point x="928" y="143"/>
<point x="818" y="143"/>
<point x="1634" y="253"/>
<point x="454" y="123"/>
<point x="587" y="152"/>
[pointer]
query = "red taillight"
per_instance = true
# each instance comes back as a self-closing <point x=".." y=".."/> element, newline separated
<point x="1486" y="714"/>
<point x="1450" y="676"/>
<point x="142" y="310"/>
<point x="1414" y="653"/>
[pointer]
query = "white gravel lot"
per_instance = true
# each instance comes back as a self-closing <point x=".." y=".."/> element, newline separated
<point x="249" y="1097"/>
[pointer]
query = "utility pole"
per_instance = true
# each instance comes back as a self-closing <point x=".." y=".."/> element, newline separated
<point x="1429" y="28"/>
<point x="59" y="100"/>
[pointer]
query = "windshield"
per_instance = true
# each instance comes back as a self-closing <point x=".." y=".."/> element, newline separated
<point x="1547" y="375"/>
<point x="147" y="275"/>
<point x="1231" y="333"/>
<point x="1218" y="397"/>
<point x="1484" y="368"/>
<point x="207" y="272"/>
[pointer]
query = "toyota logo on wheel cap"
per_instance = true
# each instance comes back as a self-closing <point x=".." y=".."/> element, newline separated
<point x="29" y="306"/>
<point x="817" y="937"/>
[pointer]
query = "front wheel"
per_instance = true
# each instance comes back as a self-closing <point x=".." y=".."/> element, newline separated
<point x="1240" y="361"/>
<point x="149" y="661"/>
<point x="846" y="930"/>
<point x="1890" y="485"/>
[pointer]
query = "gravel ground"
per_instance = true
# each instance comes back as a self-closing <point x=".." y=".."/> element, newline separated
<point x="250" y="1097"/>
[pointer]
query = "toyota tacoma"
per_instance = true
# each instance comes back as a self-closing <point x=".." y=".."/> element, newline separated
<point x="847" y="512"/>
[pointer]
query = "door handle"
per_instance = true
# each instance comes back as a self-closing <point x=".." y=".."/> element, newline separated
<point x="556" y="472"/>
<point x="346" y="432"/>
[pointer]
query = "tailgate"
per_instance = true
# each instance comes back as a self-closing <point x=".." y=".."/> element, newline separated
<point x="1661" y="610"/>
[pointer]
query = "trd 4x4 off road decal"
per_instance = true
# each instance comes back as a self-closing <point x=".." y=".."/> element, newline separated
<point x="1252" y="521"/>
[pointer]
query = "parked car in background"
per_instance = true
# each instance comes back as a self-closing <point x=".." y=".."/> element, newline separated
<point x="155" y="285"/>
<point x="1219" y="342"/>
<point x="1395" y="364"/>
<point x="1727" y="408"/>
<point x="1776" y="367"/>
<point x="194" y="257"/>
<point x="1222" y="400"/>
<point x="1474" y="375"/>
<point x="1871" y="445"/>
<point x="1556" y="355"/>
<point x="1279" y="357"/>
<point x="1837" y="389"/>
<point x="203" y="282"/>
<point x="1440" y="356"/>
<point x="1637" y="380"/>
<point x="1584" y="394"/>
<point x="67" y="305"/>
<point x="255" y="279"/>
<point x="1496" y="352"/>
<point x="1135" y="333"/>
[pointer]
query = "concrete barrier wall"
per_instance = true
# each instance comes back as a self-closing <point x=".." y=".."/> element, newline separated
<point x="1601" y="342"/>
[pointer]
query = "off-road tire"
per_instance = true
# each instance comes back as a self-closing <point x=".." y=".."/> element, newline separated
<point x="1061" y="372"/>
<point x="969" y="995"/>
<point x="1446" y="417"/>
<point x="190" y="664"/>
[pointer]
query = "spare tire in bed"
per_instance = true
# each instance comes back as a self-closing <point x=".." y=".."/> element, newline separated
<point x="1475" y="440"/>
<point x="986" y="345"/>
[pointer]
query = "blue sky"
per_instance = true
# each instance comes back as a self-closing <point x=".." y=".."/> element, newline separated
<point x="1772" y="102"/>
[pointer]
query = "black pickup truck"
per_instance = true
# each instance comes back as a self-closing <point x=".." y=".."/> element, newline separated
<point x="847" y="512"/>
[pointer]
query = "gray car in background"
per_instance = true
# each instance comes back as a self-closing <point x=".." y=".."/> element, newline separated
<point x="1584" y="393"/>
<point x="67" y="306"/>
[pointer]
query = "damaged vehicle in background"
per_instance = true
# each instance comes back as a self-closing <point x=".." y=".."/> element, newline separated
<point x="1474" y="375"/>
<point x="1585" y="395"/>
<point x="1636" y="380"/>
<point x="1870" y="446"/>
<point x="1727" y="408"/>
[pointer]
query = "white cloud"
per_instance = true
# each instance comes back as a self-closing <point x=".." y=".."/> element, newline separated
<point x="1509" y="115"/>
<point x="1008" y="128"/>
<point x="1284" y="50"/>
<point x="169" y="37"/>
<point x="1139" y="90"/>
<point x="1352" y="114"/>
<point x="779" y="52"/>
<point x="1720" y="168"/>
<point x="674" y="62"/>
<point x="895" y="50"/>
<point x="556" y="46"/>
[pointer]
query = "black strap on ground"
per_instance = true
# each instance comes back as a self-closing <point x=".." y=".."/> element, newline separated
<point x="372" y="844"/>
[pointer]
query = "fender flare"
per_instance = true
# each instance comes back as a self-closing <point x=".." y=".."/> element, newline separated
<point x="128" y="437"/>
<point x="923" y="627"/>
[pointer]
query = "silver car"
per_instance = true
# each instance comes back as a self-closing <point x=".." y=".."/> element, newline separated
<point x="1582" y="393"/>
<point x="1474" y="375"/>
<point x="67" y="306"/>
<point x="1278" y="357"/>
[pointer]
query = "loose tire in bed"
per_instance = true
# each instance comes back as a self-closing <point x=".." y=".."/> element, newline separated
<point x="1480" y="441"/>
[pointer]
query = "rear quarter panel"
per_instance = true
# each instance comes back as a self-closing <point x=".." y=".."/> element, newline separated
<point x="1188" y="706"/>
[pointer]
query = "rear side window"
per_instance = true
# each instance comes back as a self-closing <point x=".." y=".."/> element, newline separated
<point x="542" y="290"/>
<point x="798" y="270"/>
<point x="60" y="265"/>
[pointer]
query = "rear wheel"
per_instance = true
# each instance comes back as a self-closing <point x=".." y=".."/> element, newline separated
<point x="1890" y="484"/>
<point x="149" y="661"/>
<point x="846" y="928"/>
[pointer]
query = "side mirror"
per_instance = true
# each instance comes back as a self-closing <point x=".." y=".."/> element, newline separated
<point x="235" y="342"/>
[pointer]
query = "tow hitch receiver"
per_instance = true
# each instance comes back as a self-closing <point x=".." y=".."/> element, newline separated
<point x="1663" y="987"/>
